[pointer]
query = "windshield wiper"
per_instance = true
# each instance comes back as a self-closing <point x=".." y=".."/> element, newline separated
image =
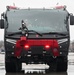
<point x="14" y="33"/>
<point x="28" y="31"/>
<point x="56" y="33"/>
<point x="34" y="32"/>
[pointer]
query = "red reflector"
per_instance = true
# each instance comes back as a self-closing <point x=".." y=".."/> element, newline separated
<point x="26" y="46"/>
<point x="55" y="52"/>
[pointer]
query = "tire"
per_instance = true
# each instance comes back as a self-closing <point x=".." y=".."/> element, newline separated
<point x="52" y="66"/>
<point x="13" y="66"/>
<point x="59" y="64"/>
<point x="62" y="65"/>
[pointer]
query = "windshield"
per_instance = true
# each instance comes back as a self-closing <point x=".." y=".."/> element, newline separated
<point x="37" y="19"/>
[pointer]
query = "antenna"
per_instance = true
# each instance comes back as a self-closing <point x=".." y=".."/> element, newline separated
<point x="13" y="4"/>
<point x="57" y="3"/>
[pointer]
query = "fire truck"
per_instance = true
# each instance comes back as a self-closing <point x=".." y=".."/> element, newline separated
<point x="36" y="36"/>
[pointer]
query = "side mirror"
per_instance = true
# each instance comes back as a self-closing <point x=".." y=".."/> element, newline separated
<point x="1" y="23"/>
<point x="71" y="20"/>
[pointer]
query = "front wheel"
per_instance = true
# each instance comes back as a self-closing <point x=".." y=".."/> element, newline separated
<point x="13" y="65"/>
<point x="62" y="65"/>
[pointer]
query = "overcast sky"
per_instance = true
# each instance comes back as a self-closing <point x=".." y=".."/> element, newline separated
<point x="37" y="4"/>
